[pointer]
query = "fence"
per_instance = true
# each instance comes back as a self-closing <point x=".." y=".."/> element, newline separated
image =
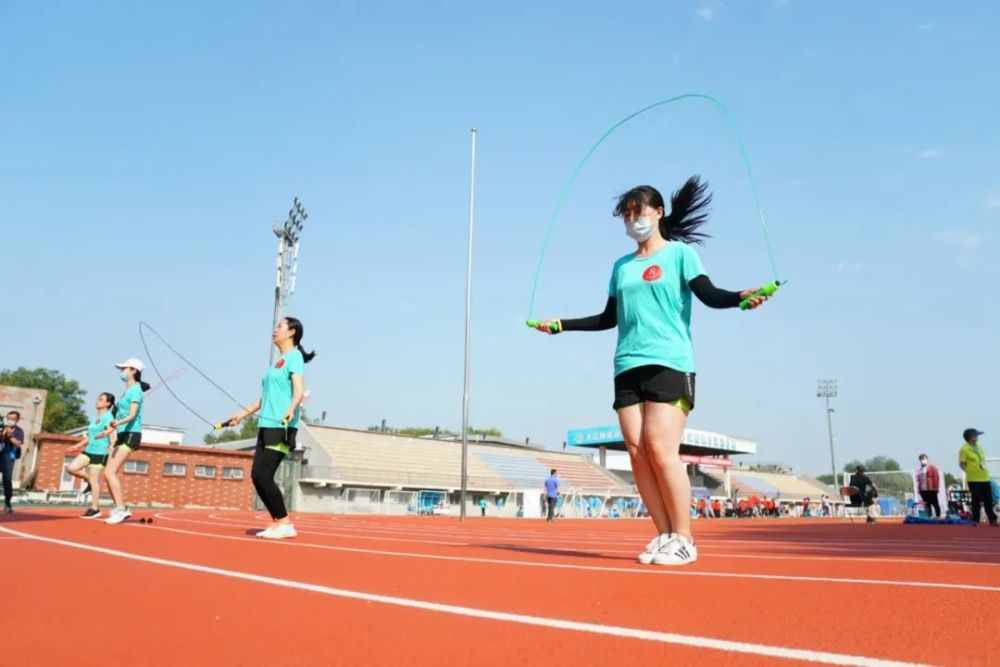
<point x="895" y="487"/>
<point x="611" y="502"/>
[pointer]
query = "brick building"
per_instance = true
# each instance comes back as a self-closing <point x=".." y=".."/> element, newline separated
<point x="171" y="475"/>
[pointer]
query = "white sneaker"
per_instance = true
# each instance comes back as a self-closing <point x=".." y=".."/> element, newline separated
<point x="281" y="531"/>
<point x="680" y="551"/>
<point x="260" y="533"/>
<point x="117" y="516"/>
<point x="654" y="546"/>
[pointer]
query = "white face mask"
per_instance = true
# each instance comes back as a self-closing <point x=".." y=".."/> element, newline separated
<point x="640" y="229"/>
<point x="9" y="422"/>
<point x="923" y="463"/>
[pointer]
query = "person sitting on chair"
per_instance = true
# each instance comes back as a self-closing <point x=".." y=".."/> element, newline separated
<point x="866" y="495"/>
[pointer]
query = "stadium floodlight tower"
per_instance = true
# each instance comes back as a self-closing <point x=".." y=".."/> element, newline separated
<point x="827" y="390"/>
<point x="288" y="260"/>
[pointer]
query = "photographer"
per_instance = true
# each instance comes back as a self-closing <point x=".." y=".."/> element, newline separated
<point x="11" y="440"/>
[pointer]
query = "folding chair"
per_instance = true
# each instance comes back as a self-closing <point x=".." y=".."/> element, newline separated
<point x="853" y="500"/>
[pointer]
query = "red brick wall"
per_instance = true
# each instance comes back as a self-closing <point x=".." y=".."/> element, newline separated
<point x="154" y="486"/>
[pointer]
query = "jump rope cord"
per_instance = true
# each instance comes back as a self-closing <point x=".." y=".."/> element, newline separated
<point x="166" y="384"/>
<point x="590" y="152"/>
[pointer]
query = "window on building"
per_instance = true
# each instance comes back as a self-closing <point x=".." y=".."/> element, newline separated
<point x="137" y="467"/>
<point x="174" y="470"/>
<point x="206" y="472"/>
<point x="232" y="473"/>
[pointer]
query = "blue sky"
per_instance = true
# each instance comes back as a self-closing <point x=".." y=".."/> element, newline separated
<point x="147" y="149"/>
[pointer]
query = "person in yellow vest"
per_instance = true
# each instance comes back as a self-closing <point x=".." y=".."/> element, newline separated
<point x="972" y="459"/>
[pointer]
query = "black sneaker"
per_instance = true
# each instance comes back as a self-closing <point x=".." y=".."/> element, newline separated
<point x="91" y="514"/>
<point x="86" y="489"/>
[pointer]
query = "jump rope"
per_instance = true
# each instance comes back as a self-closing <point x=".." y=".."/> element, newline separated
<point x="768" y="289"/>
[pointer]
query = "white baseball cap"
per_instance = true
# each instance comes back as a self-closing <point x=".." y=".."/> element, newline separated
<point x="132" y="363"/>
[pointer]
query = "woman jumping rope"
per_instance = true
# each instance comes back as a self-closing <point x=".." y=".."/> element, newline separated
<point x="649" y="300"/>
<point x="92" y="453"/>
<point x="278" y="425"/>
<point x="128" y="424"/>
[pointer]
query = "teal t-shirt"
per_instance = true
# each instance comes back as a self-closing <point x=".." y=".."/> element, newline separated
<point x="98" y="446"/>
<point x="122" y="408"/>
<point x="276" y="395"/>
<point x="654" y="308"/>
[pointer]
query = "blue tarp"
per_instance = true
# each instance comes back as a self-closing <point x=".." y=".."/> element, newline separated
<point x="950" y="521"/>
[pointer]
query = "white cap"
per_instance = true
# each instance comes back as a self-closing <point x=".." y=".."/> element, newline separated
<point x="131" y="363"/>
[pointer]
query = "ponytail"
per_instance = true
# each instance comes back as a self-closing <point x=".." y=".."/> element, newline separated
<point x="296" y="326"/>
<point x="138" y="378"/>
<point x="688" y="212"/>
<point x="306" y="356"/>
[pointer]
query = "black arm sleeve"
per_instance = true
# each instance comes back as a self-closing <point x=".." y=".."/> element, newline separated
<point x="712" y="296"/>
<point x="606" y="320"/>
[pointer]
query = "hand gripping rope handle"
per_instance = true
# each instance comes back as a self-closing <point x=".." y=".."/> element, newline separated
<point x="768" y="290"/>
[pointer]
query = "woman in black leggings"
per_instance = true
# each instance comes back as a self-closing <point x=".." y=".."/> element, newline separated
<point x="278" y="424"/>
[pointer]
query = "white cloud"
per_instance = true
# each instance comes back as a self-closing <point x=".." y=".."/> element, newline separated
<point x="960" y="239"/>
<point x="993" y="202"/>
<point x="925" y="26"/>
<point x="929" y="153"/>
<point x="706" y="13"/>
<point x="849" y="266"/>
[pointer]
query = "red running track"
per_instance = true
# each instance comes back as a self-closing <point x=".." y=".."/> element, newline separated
<point x="196" y="588"/>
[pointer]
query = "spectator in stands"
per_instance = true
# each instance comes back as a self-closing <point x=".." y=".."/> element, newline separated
<point x="551" y="494"/>
<point x="928" y="483"/>
<point x="717" y="508"/>
<point x="805" y="507"/>
<point x="482" y="506"/>
<point x="972" y="460"/>
<point x="11" y="440"/>
<point x="824" y="503"/>
<point x="866" y="495"/>
<point x="729" y="507"/>
<point x="768" y="507"/>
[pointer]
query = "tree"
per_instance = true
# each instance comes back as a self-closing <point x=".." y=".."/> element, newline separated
<point x="879" y="463"/>
<point x="486" y="432"/>
<point x="64" y="407"/>
<point x="950" y="480"/>
<point x="247" y="431"/>
<point x="826" y="479"/>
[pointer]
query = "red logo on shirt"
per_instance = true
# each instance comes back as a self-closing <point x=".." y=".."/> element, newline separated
<point x="281" y="362"/>
<point x="652" y="273"/>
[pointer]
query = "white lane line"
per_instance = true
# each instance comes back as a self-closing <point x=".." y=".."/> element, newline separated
<point x="335" y="532"/>
<point x="589" y="568"/>
<point x="507" y="617"/>
<point x="831" y="544"/>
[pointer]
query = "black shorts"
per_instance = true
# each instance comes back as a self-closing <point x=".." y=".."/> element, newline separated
<point x="866" y="500"/>
<point x="657" y="384"/>
<point x="98" y="460"/>
<point x="130" y="439"/>
<point x="268" y="437"/>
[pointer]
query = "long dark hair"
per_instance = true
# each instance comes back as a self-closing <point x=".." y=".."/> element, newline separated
<point x="110" y="398"/>
<point x="138" y="378"/>
<point x="688" y="209"/>
<point x="296" y="326"/>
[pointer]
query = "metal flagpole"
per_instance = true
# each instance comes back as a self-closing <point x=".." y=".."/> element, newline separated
<point x="468" y="331"/>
